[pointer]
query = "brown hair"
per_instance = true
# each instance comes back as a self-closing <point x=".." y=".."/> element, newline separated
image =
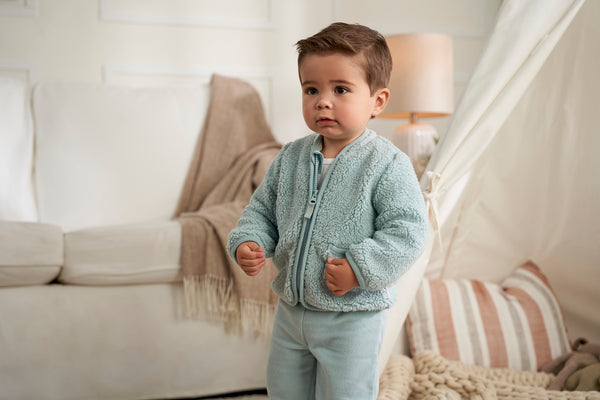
<point x="353" y="39"/>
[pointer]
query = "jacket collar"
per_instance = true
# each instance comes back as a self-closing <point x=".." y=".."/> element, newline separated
<point x="365" y="137"/>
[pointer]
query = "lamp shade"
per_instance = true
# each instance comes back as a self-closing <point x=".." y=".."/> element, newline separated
<point x="422" y="76"/>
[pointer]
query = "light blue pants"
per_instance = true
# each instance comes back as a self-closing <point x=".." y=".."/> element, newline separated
<point x="324" y="355"/>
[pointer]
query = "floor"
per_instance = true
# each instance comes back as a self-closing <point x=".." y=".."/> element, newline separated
<point x="243" y="397"/>
<point x="240" y="397"/>
<point x="254" y="395"/>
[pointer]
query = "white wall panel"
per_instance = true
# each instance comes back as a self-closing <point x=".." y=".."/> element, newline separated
<point x="179" y="42"/>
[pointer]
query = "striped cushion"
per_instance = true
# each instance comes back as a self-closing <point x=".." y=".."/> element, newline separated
<point x="516" y="324"/>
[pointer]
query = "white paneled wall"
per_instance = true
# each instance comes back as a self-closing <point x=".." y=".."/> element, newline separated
<point x="182" y="42"/>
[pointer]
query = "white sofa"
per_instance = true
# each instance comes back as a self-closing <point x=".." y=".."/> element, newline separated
<point x="91" y="305"/>
<point x="91" y="300"/>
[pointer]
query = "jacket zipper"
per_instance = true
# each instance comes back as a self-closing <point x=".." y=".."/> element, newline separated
<point x="308" y="214"/>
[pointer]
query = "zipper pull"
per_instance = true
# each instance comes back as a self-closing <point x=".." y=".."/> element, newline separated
<point x="311" y="205"/>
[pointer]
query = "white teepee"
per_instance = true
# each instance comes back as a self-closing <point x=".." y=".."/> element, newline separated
<point x="517" y="174"/>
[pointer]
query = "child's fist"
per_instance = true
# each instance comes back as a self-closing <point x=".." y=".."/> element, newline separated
<point x="251" y="257"/>
<point x="339" y="276"/>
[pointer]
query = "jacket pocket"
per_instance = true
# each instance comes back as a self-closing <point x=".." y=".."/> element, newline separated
<point x="336" y="252"/>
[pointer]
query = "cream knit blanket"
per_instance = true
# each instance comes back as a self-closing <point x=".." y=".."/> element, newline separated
<point x="230" y="160"/>
<point x="430" y="376"/>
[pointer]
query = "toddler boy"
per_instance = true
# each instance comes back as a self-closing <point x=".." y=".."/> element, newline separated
<point x="342" y="215"/>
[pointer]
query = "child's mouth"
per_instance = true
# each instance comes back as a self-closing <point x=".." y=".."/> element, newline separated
<point x="326" y="121"/>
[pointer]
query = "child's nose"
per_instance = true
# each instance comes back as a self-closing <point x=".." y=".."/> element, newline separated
<point x="324" y="102"/>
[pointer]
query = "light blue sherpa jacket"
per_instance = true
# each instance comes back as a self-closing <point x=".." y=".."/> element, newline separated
<point x="369" y="210"/>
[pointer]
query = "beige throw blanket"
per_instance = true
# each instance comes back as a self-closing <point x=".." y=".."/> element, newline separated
<point x="230" y="160"/>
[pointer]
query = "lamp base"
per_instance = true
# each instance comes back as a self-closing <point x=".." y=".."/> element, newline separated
<point x="418" y="142"/>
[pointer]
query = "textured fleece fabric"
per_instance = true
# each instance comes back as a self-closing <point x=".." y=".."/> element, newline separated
<point x="369" y="210"/>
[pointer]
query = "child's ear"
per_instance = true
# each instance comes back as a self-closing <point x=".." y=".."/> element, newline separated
<point x="381" y="98"/>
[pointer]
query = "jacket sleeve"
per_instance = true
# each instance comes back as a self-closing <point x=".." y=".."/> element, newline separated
<point x="401" y="228"/>
<point x="258" y="222"/>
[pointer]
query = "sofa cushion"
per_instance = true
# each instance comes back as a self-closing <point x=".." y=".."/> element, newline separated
<point x="17" y="202"/>
<point x="109" y="155"/>
<point x="30" y="253"/>
<point x="127" y="254"/>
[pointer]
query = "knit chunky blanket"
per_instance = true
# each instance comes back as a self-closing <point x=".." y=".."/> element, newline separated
<point x="231" y="158"/>
<point x="430" y="376"/>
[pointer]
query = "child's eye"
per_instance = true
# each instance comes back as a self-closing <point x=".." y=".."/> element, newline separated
<point x="311" y="91"/>
<point x="341" y="90"/>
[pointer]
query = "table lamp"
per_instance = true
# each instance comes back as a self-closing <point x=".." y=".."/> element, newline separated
<point x="421" y="86"/>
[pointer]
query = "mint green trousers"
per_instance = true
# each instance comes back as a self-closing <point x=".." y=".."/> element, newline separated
<point x="319" y="355"/>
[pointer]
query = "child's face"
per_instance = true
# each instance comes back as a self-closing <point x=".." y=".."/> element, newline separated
<point x="336" y="99"/>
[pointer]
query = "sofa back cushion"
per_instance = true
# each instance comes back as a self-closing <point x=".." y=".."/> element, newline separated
<point x="17" y="202"/>
<point x="109" y="155"/>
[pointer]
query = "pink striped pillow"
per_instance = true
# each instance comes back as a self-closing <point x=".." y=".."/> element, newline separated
<point x="516" y="324"/>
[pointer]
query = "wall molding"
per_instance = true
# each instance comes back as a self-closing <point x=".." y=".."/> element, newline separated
<point x="23" y="68"/>
<point x="106" y="13"/>
<point x="19" y="8"/>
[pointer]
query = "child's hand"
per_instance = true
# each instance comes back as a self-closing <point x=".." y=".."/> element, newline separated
<point x="250" y="257"/>
<point x="340" y="276"/>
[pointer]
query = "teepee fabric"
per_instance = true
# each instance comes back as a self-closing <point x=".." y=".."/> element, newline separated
<point x="516" y="175"/>
<point x="524" y="35"/>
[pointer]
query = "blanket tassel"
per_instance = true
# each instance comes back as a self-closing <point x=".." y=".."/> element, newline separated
<point x="215" y="299"/>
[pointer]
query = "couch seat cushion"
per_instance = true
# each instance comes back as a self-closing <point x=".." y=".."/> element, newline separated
<point x="124" y="254"/>
<point x="30" y="253"/>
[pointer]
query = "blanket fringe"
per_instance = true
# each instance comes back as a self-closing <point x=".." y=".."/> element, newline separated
<point x="215" y="298"/>
<point x="207" y="295"/>
<point x="257" y="317"/>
